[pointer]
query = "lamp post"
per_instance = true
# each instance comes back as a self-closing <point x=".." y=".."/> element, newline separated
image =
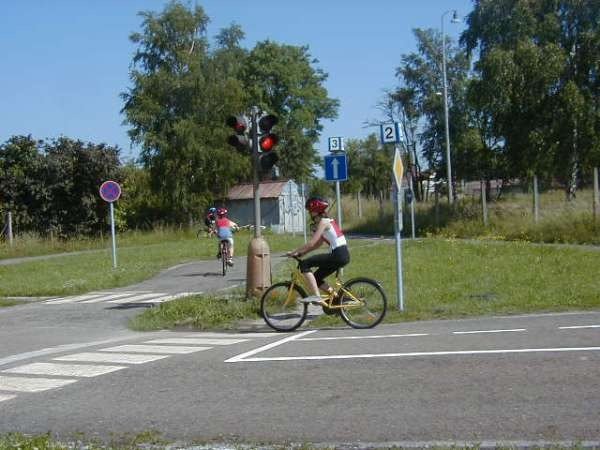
<point x="448" y="164"/>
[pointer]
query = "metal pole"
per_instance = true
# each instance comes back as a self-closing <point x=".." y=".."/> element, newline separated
<point x="536" y="201"/>
<point x="398" y="228"/>
<point x="304" y="215"/>
<point x="596" y="201"/>
<point x="339" y="203"/>
<point x="448" y="164"/>
<point x="256" y="180"/>
<point x="483" y="186"/>
<point x="412" y="206"/>
<point x="9" y="229"/>
<point x="112" y="232"/>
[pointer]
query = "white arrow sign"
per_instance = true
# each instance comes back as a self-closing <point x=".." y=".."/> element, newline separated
<point x="334" y="165"/>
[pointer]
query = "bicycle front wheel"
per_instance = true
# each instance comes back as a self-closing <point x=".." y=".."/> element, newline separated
<point x="363" y="303"/>
<point x="281" y="308"/>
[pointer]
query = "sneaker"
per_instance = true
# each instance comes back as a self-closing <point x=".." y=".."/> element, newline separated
<point x="311" y="299"/>
<point x="230" y="262"/>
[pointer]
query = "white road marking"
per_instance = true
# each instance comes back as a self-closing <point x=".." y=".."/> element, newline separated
<point x="269" y="346"/>
<point x="164" y="349"/>
<point x="241" y="358"/>
<point x="363" y="337"/>
<point x="119" y="358"/>
<point x="67" y="370"/>
<point x="6" y="397"/>
<point x="58" y="349"/>
<point x="490" y="331"/>
<point x="135" y="298"/>
<point x="579" y="326"/>
<point x="233" y="335"/>
<point x="196" y="341"/>
<point x="77" y="298"/>
<point x="171" y="297"/>
<point x="31" y="384"/>
<point x="109" y="296"/>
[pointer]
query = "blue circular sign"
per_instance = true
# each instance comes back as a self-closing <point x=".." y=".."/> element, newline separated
<point x="110" y="191"/>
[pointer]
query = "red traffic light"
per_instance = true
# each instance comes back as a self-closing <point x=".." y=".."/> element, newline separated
<point x="238" y="123"/>
<point x="268" y="142"/>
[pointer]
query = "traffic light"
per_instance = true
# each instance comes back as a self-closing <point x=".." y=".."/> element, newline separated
<point x="267" y="141"/>
<point x="240" y="139"/>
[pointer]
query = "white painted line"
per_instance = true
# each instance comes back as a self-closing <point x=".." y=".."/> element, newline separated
<point x="269" y="346"/>
<point x="77" y="298"/>
<point x="394" y="355"/>
<point x="108" y="296"/>
<point x="118" y="358"/>
<point x="490" y="331"/>
<point x="579" y="326"/>
<point x="164" y="349"/>
<point x="363" y="337"/>
<point x="31" y="384"/>
<point x="135" y="298"/>
<point x="58" y="349"/>
<point x="233" y="335"/>
<point x="65" y="370"/>
<point x="6" y="397"/>
<point x="196" y="341"/>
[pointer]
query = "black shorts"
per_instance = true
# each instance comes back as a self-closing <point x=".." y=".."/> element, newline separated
<point x="326" y="263"/>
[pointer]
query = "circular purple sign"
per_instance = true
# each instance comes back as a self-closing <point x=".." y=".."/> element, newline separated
<point x="110" y="191"/>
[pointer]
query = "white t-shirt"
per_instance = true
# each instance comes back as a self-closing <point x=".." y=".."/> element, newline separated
<point x="333" y="234"/>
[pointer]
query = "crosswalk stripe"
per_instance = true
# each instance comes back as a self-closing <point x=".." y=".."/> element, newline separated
<point x="171" y="297"/>
<point x="119" y="358"/>
<point x="68" y="370"/>
<point x="6" y="397"/>
<point x="77" y="298"/>
<point x="110" y="296"/>
<point x="196" y="341"/>
<point x="164" y="349"/>
<point x="31" y="384"/>
<point x="135" y="298"/>
<point x="231" y="335"/>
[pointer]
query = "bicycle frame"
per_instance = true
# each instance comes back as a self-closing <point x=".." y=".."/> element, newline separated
<point x="350" y="300"/>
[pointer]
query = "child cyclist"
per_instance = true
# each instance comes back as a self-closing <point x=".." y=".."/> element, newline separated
<point x="326" y="230"/>
<point x="224" y="230"/>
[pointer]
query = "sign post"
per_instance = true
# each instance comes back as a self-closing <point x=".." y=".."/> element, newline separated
<point x="110" y="191"/>
<point x="390" y="134"/>
<point x="336" y="169"/>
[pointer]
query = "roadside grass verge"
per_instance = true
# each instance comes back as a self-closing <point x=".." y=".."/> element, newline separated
<point x="198" y="313"/>
<point x="85" y="272"/>
<point x="443" y="279"/>
<point x="9" y="302"/>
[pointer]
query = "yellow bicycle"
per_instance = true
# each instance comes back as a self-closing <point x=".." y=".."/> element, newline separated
<point x="361" y="302"/>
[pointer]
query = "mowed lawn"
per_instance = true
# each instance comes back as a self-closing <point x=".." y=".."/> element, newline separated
<point x="442" y="278"/>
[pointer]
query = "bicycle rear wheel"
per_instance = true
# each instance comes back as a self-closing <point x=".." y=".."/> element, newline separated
<point x="224" y="255"/>
<point x="281" y="308"/>
<point x="363" y="303"/>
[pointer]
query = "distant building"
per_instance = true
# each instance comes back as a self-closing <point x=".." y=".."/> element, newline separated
<point x="281" y="205"/>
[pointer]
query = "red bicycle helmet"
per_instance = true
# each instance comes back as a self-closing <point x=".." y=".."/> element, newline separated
<point x="316" y="205"/>
<point x="221" y="212"/>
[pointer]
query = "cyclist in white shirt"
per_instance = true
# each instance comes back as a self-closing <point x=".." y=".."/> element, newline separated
<point x="326" y="231"/>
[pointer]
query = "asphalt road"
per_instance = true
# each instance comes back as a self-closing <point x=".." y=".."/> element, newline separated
<point x="72" y="367"/>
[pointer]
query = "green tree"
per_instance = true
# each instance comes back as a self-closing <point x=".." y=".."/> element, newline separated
<point x="280" y="79"/>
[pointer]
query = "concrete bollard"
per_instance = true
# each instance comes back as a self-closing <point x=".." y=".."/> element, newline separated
<point x="258" y="269"/>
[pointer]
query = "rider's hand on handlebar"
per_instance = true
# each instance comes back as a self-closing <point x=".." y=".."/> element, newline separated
<point x="292" y="254"/>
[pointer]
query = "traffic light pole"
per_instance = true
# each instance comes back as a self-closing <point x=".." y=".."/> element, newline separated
<point x="256" y="179"/>
<point x="258" y="268"/>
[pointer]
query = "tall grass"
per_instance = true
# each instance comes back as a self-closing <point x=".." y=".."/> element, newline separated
<point x="509" y="218"/>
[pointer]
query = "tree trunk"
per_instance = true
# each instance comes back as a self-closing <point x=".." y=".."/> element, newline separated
<point x="572" y="184"/>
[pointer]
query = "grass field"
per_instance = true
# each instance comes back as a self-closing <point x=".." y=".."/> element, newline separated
<point x="443" y="279"/>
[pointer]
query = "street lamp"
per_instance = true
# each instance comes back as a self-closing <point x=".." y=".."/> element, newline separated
<point x="448" y="165"/>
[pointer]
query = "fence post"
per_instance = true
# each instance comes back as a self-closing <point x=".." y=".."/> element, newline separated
<point x="483" y="185"/>
<point x="596" y="201"/>
<point x="9" y="229"/>
<point x="536" y="200"/>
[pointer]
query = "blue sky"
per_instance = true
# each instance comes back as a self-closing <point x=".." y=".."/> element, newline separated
<point x="64" y="62"/>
